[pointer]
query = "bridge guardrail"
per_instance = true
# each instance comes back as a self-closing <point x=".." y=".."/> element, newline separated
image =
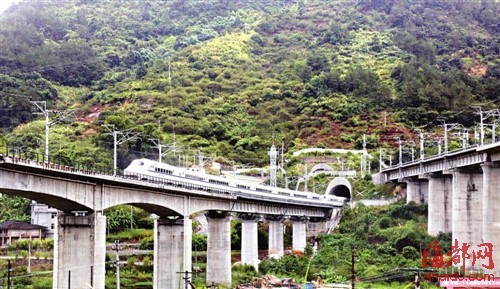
<point x="428" y="158"/>
<point x="27" y="156"/>
<point x="30" y="156"/>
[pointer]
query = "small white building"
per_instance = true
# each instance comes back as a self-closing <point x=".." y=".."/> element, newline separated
<point x="44" y="215"/>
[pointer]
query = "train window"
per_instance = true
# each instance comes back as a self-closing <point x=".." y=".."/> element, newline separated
<point x="218" y="182"/>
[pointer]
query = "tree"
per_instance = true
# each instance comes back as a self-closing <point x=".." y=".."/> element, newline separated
<point x="14" y="208"/>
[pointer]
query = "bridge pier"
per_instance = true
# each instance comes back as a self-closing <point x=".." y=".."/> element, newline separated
<point x="168" y="253"/>
<point x="299" y="240"/>
<point x="467" y="213"/>
<point x="218" y="248"/>
<point x="79" y="251"/>
<point x="249" y="240"/>
<point x="276" y="247"/>
<point x="439" y="204"/>
<point x="188" y="243"/>
<point x="491" y="217"/>
<point x="417" y="190"/>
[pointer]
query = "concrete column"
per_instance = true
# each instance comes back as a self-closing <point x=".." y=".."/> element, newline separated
<point x="249" y="240"/>
<point x="99" y="270"/>
<point x="299" y="240"/>
<point x="168" y="253"/>
<point x="439" y="208"/>
<point x="218" y="249"/>
<point x="491" y="215"/>
<point x="276" y="246"/>
<point x="79" y="251"/>
<point x="467" y="214"/>
<point x="417" y="190"/>
<point x="188" y="242"/>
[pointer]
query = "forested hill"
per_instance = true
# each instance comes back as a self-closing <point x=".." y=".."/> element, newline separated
<point x="309" y="72"/>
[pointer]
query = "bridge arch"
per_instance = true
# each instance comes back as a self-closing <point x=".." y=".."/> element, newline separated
<point x="60" y="203"/>
<point x="340" y="187"/>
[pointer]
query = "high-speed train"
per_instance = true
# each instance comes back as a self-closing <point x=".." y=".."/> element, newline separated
<point x="192" y="178"/>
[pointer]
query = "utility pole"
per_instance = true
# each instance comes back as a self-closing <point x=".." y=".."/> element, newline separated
<point x="412" y="152"/>
<point x="465" y="139"/>
<point x="363" y="157"/>
<point x="186" y="278"/>
<point x="421" y="136"/>
<point x="10" y="283"/>
<point x="117" y="247"/>
<point x="445" y="137"/>
<point x="306" y="178"/>
<point x="495" y="113"/>
<point x="273" y="153"/>
<point x="127" y="136"/>
<point x="380" y="159"/>
<point x="202" y="160"/>
<point x="42" y="106"/>
<point x="400" y="142"/>
<point x="493" y="133"/>
<point x="158" y="145"/>
<point x="480" y="112"/>
<point x="283" y="155"/>
<point x="353" y="272"/>
<point x="29" y="256"/>
<point x="447" y="126"/>
<point x="170" y="148"/>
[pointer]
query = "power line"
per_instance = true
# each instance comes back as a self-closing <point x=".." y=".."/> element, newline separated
<point x="126" y="136"/>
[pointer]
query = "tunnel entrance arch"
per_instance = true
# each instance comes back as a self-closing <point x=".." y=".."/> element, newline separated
<point x="321" y="168"/>
<point x="340" y="187"/>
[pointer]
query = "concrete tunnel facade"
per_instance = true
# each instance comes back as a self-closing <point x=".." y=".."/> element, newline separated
<point x="340" y="187"/>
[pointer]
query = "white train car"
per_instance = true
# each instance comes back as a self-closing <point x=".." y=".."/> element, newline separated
<point x="152" y="171"/>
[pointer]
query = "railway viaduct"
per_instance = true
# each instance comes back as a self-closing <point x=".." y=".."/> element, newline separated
<point x="462" y="189"/>
<point x="81" y="196"/>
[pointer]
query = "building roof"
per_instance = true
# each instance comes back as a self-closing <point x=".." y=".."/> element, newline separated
<point x="16" y="225"/>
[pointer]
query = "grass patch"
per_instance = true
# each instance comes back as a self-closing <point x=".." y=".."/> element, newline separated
<point x="130" y="235"/>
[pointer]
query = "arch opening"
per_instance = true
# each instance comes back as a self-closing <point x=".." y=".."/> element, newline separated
<point x="341" y="191"/>
<point x="59" y="203"/>
<point x="340" y="187"/>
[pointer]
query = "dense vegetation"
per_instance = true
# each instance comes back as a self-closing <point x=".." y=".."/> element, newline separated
<point x="232" y="77"/>
<point x="226" y="76"/>
<point x="387" y="253"/>
<point x="386" y="249"/>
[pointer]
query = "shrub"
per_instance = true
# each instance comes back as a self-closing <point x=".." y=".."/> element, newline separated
<point x="199" y="242"/>
<point x="384" y="222"/>
<point x="147" y="243"/>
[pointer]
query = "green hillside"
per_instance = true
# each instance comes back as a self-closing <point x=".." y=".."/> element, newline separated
<point x="226" y="76"/>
